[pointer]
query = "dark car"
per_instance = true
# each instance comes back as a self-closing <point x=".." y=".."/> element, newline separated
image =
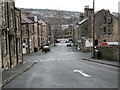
<point x="46" y="48"/>
<point x="67" y="42"/>
<point x="57" y="41"/>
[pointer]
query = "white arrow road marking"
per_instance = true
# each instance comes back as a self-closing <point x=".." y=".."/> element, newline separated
<point x="84" y="74"/>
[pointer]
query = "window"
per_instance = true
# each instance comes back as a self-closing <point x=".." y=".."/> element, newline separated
<point x="17" y="22"/>
<point x="109" y="31"/>
<point x="11" y="19"/>
<point x="5" y="43"/>
<point x="24" y="41"/>
<point x="104" y="19"/>
<point x="104" y="30"/>
<point x="109" y="20"/>
<point x="104" y="40"/>
<point x="12" y="46"/>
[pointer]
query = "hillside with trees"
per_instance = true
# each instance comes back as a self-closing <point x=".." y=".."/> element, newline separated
<point x="50" y="16"/>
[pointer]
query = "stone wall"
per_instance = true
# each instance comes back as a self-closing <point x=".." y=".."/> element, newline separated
<point x="108" y="52"/>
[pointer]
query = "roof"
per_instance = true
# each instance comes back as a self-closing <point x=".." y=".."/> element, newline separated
<point x="115" y="14"/>
<point x="25" y="19"/>
<point x="42" y="22"/>
<point x="31" y="18"/>
<point x="82" y="21"/>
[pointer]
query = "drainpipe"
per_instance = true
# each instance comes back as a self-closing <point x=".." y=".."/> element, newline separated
<point x="28" y="38"/>
<point x="0" y="48"/>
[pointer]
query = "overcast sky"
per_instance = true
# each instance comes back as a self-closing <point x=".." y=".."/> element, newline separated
<point x="69" y="5"/>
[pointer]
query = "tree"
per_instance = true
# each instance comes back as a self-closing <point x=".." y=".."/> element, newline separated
<point x="57" y="24"/>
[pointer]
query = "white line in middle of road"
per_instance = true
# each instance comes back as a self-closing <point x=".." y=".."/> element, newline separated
<point x="84" y="74"/>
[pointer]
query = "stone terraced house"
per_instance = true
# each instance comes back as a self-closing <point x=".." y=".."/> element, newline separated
<point x="27" y="34"/>
<point x="11" y="35"/>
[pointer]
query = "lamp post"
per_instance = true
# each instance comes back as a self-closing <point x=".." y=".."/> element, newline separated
<point x="93" y="56"/>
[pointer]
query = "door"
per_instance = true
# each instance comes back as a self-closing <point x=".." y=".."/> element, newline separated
<point x="24" y="47"/>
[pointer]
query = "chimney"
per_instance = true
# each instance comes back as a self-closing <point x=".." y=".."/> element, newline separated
<point x="35" y="18"/>
<point x="81" y="17"/>
<point x="87" y="11"/>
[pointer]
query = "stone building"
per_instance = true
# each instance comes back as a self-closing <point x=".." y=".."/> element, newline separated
<point x="36" y="32"/>
<point x="106" y="27"/>
<point x="67" y="33"/>
<point x="75" y="35"/>
<point x="83" y="32"/>
<point x="18" y="37"/>
<point x="27" y="34"/>
<point x="44" y="33"/>
<point x="11" y="32"/>
<point x="85" y="24"/>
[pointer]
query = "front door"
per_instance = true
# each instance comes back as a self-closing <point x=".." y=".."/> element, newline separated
<point x="24" y="47"/>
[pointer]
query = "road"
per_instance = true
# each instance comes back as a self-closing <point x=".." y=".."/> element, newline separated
<point x="64" y="68"/>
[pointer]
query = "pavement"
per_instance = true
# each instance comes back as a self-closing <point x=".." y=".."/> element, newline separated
<point x="12" y="73"/>
<point x="103" y="61"/>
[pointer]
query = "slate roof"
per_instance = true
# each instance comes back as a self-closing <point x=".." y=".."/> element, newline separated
<point x="42" y="22"/>
<point x="115" y="14"/>
<point x="25" y="19"/>
<point x="79" y="23"/>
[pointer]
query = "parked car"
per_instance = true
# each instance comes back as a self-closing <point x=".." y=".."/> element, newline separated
<point x="67" y="41"/>
<point x="46" y="48"/>
<point x="57" y="41"/>
<point x="70" y="39"/>
<point x="68" y="44"/>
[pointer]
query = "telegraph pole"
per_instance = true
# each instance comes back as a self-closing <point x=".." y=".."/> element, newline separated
<point x="119" y="31"/>
<point x="0" y="33"/>
<point x="93" y="56"/>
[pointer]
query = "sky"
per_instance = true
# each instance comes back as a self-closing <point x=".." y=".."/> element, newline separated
<point x="68" y="5"/>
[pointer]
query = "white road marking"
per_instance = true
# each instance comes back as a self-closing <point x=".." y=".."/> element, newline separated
<point x="68" y="53"/>
<point x="56" y="59"/>
<point x="84" y="74"/>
